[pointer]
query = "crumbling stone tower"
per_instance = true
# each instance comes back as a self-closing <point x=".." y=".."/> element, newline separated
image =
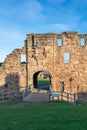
<point x="63" y="56"/>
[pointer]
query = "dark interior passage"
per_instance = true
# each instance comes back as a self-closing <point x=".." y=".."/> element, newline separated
<point x="42" y="80"/>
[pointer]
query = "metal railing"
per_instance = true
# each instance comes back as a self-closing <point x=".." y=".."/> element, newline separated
<point x="63" y="96"/>
<point x="54" y="96"/>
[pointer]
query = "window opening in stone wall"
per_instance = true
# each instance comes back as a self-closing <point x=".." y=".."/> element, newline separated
<point x="23" y="58"/>
<point x="66" y="57"/>
<point x="59" y="42"/>
<point x="82" y="41"/>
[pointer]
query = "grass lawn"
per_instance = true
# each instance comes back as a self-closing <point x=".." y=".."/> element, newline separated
<point x="43" y="81"/>
<point x="42" y="116"/>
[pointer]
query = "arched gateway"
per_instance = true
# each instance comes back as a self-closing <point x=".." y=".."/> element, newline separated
<point x="42" y="80"/>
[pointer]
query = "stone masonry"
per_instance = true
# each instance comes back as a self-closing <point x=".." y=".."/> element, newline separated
<point x="43" y="53"/>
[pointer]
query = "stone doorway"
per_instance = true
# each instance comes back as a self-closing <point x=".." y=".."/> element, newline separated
<point x="42" y="80"/>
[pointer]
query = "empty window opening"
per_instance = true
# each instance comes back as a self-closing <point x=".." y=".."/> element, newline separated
<point x="23" y="58"/>
<point x="59" y="42"/>
<point x="66" y="57"/>
<point x="82" y="41"/>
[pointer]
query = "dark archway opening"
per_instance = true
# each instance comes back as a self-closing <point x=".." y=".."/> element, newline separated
<point x="42" y="80"/>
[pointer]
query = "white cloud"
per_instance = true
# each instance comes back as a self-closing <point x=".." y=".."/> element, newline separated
<point x="30" y="10"/>
<point x="27" y="10"/>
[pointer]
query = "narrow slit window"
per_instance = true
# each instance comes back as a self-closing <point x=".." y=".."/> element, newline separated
<point x="66" y="57"/>
<point x="82" y="41"/>
<point x="23" y="58"/>
<point x="59" y="42"/>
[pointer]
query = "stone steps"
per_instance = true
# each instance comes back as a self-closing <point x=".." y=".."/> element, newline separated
<point x="38" y="96"/>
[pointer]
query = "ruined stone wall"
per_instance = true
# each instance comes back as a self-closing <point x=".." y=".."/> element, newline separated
<point x="44" y="54"/>
<point x="74" y="73"/>
<point x="12" y="72"/>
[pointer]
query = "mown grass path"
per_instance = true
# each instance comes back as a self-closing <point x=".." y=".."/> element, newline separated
<point x="42" y="116"/>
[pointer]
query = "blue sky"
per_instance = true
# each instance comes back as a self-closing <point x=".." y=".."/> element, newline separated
<point x="20" y="17"/>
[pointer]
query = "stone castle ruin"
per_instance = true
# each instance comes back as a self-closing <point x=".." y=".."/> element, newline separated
<point x="63" y="56"/>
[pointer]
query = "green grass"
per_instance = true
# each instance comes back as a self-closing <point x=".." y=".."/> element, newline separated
<point x="43" y="81"/>
<point x="42" y="116"/>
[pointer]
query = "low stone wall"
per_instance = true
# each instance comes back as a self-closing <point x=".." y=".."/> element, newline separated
<point x="82" y="98"/>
